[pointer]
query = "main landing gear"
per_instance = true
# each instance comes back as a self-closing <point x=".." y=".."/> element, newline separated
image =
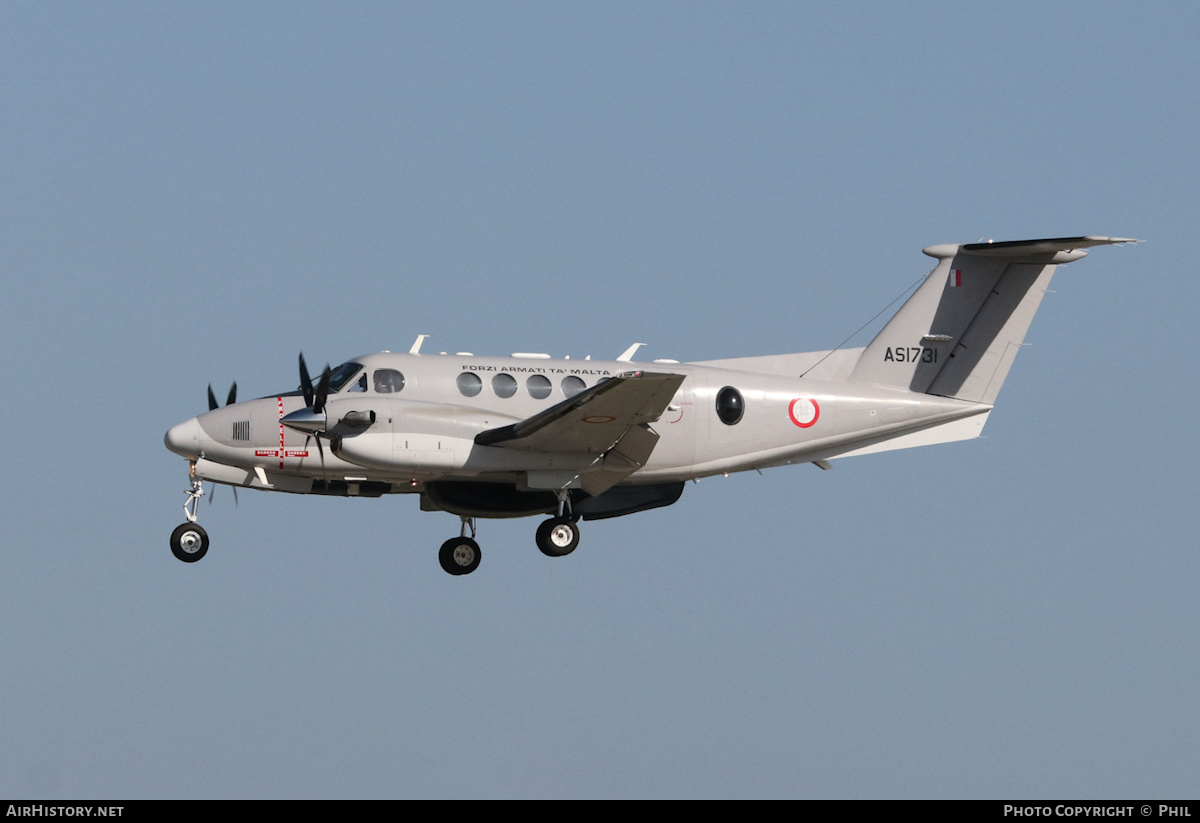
<point x="460" y="555"/>
<point x="189" y="542"/>
<point x="556" y="537"/>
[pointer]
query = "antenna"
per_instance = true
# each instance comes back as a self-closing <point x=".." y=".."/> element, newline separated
<point x="627" y="357"/>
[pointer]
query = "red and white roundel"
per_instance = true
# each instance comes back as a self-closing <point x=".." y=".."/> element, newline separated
<point x="804" y="412"/>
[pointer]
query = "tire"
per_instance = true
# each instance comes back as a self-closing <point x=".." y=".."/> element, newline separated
<point x="558" y="536"/>
<point x="459" y="555"/>
<point x="189" y="542"/>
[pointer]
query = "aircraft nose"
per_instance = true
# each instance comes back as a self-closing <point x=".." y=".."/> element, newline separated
<point x="184" y="439"/>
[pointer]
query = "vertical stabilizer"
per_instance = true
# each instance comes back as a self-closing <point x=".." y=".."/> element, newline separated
<point x="958" y="334"/>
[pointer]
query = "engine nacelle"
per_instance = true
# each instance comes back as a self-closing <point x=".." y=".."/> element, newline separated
<point x="405" y="450"/>
<point x="390" y="433"/>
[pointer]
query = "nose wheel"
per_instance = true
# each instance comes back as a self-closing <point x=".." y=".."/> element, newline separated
<point x="189" y="542"/>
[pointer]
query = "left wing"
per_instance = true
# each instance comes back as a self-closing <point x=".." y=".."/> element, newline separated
<point x="610" y="420"/>
<point x="592" y="420"/>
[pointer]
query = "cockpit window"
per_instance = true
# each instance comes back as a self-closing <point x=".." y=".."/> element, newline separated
<point x="388" y="381"/>
<point x="340" y="376"/>
<point x="360" y="384"/>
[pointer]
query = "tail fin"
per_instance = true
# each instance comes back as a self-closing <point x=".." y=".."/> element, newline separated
<point x="958" y="334"/>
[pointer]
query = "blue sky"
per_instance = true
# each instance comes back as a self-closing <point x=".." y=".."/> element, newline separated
<point x="194" y="193"/>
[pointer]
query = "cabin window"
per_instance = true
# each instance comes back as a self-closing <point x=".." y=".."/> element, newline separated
<point x="730" y="405"/>
<point x="388" y="381"/>
<point x="504" y="385"/>
<point x="572" y="385"/>
<point x="538" y="386"/>
<point x="469" y="384"/>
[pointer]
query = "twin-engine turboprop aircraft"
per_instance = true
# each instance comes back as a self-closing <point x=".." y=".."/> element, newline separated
<point x="531" y="435"/>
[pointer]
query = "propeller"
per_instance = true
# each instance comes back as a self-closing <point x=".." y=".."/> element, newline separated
<point x="315" y="400"/>
<point x="212" y="405"/>
<point x="213" y="494"/>
<point x="313" y="420"/>
<point x="229" y="401"/>
<point x="313" y="417"/>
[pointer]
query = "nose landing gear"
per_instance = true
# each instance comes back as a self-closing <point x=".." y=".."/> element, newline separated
<point x="189" y="541"/>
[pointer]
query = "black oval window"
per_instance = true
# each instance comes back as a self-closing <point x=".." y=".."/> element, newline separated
<point x="730" y="405"/>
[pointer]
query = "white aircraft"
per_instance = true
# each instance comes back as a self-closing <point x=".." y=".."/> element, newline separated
<point x="531" y="435"/>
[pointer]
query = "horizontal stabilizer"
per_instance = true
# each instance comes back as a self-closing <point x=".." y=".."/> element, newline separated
<point x="1016" y="248"/>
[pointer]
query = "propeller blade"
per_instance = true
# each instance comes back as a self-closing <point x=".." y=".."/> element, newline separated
<point x="212" y="400"/>
<point x="213" y="494"/>
<point x="318" y="403"/>
<point x="305" y="382"/>
<point x="229" y="401"/>
<point x="321" y="451"/>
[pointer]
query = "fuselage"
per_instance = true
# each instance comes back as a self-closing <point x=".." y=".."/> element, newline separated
<point x="412" y="418"/>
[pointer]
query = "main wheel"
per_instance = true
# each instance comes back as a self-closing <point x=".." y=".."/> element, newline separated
<point x="189" y="542"/>
<point x="558" y="536"/>
<point x="459" y="555"/>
